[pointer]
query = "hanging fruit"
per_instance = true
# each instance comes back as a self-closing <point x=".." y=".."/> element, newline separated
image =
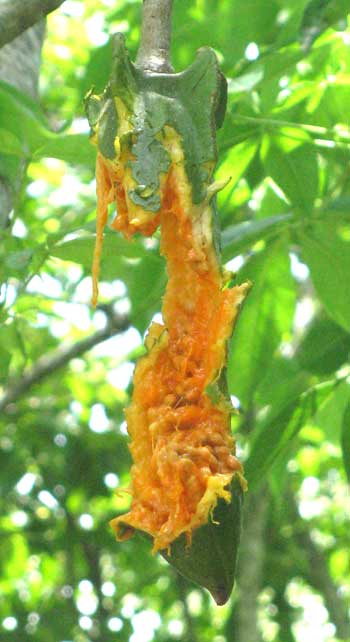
<point x="155" y="134"/>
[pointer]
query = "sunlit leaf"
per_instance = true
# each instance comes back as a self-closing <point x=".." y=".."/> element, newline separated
<point x="345" y="440"/>
<point x="75" y="149"/>
<point x="275" y="434"/>
<point x="141" y="270"/>
<point x="246" y="82"/>
<point x="266" y="316"/>
<point x="324" y="348"/>
<point x="318" y="16"/>
<point x="330" y="417"/>
<point x="326" y="250"/>
<point x="20" y="116"/>
<point x="283" y="380"/>
<point x="296" y="174"/>
<point x="80" y="249"/>
<point x="242" y="236"/>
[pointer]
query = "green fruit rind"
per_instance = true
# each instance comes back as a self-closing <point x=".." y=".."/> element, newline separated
<point x="210" y="559"/>
<point x="193" y="102"/>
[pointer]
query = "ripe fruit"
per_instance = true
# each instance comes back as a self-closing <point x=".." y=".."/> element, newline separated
<point x="156" y="156"/>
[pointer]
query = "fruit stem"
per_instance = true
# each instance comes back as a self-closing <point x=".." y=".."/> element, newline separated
<point x="154" y="51"/>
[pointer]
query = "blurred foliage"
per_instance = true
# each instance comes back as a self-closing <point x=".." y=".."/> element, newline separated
<point x="286" y="226"/>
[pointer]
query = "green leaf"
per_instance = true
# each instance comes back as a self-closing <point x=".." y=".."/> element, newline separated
<point x="146" y="283"/>
<point x="282" y="381"/>
<point x="22" y="100"/>
<point x="20" y="116"/>
<point x="234" y="165"/>
<point x="10" y="168"/>
<point x="24" y="132"/>
<point x="326" y="250"/>
<point x="332" y="107"/>
<point x="275" y="433"/>
<point x="15" y="258"/>
<point x="4" y="362"/>
<point x="324" y="348"/>
<point x="229" y="31"/>
<point x="330" y="415"/>
<point x="289" y="31"/>
<point x="266" y="316"/>
<point x="272" y="204"/>
<point x="8" y="344"/>
<point x="290" y="137"/>
<point x="245" y="82"/>
<point x="278" y="480"/>
<point x="18" y="261"/>
<point x="240" y="238"/>
<point x="318" y="16"/>
<point x="297" y="94"/>
<point x="10" y="144"/>
<point x="296" y="173"/>
<point x="339" y="204"/>
<point x="345" y="440"/>
<point x="97" y="71"/>
<point x="75" y="149"/>
<point x="271" y="438"/>
<point x="80" y="250"/>
<point x="141" y="270"/>
<point x="280" y="62"/>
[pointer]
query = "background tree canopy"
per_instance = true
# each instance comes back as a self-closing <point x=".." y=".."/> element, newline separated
<point x="65" y="368"/>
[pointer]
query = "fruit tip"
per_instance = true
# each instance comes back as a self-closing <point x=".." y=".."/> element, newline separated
<point x="221" y="595"/>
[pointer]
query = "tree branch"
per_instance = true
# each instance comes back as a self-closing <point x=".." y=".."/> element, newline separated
<point x="154" y="51"/>
<point x="191" y="631"/>
<point x="317" y="572"/>
<point x="319" y="577"/>
<point x="19" y="66"/>
<point x="17" y="16"/>
<point x="242" y="623"/>
<point x="50" y="363"/>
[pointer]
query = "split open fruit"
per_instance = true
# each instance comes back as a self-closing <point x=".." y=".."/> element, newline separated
<point x="156" y="157"/>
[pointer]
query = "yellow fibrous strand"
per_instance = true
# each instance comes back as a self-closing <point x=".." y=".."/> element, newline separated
<point x="182" y="449"/>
